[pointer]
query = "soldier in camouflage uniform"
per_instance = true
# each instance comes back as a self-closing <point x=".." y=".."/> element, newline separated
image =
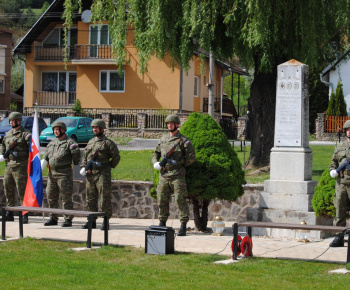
<point x="60" y="153"/>
<point x="342" y="187"/>
<point x="172" y="176"/>
<point x="98" y="176"/>
<point x="15" y="177"/>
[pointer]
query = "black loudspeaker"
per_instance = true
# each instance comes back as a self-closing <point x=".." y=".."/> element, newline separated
<point x="159" y="240"/>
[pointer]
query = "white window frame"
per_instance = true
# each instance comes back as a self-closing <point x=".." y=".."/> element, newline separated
<point x="196" y="86"/>
<point x="58" y="79"/>
<point x="99" y="33"/>
<point x="59" y="33"/>
<point x="108" y="82"/>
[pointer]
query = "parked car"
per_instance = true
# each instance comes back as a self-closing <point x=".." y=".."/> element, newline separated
<point x="78" y="128"/>
<point x="27" y="122"/>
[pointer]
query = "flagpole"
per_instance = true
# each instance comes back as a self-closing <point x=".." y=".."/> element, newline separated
<point x="33" y="196"/>
<point x="36" y="113"/>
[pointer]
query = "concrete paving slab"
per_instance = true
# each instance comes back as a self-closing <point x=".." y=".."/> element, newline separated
<point x="131" y="232"/>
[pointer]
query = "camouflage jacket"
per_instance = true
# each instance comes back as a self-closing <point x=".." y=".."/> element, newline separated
<point x="108" y="154"/>
<point x="183" y="154"/>
<point x="61" y="153"/>
<point x="23" y="139"/>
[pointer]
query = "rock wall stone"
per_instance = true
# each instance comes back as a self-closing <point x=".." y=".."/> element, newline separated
<point x="131" y="199"/>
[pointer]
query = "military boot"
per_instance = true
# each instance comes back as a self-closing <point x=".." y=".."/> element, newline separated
<point x="9" y="217"/>
<point x="337" y="242"/>
<point x="67" y="223"/>
<point x="25" y="219"/>
<point x="51" y="222"/>
<point x="182" y="230"/>
<point x="162" y="223"/>
<point x="86" y="226"/>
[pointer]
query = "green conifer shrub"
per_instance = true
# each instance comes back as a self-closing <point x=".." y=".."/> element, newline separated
<point x="217" y="171"/>
<point x="331" y="105"/>
<point x="340" y="105"/>
<point x="322" y="201"/>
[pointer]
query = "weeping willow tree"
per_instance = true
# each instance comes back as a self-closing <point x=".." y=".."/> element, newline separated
<point x="261" y="33"/>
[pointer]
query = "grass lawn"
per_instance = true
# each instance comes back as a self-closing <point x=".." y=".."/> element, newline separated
<point x="137" y="165"/>
<point x="40" y="264"/>
<point x="322" y="157"/>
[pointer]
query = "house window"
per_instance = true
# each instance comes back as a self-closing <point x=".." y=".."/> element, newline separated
<point x="2" y="86"/>
<point x="111" y="81"/>
<point x="59" y="81"/>
<point x="99" y="35"/>
<point x="56" y="37"/>
<point x="195" y="92"/>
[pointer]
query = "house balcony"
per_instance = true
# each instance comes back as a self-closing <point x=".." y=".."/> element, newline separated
<point x="76" y="52"/>
<point x="62" y="99"/>
<point x="227" y="106"/>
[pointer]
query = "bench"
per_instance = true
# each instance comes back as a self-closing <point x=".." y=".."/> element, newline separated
<point x="56" y="211"/>
<point x="253" y="224"/>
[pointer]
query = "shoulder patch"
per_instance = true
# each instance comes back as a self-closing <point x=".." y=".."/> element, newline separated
<point x="73" y="146"/>
<point x="28" y="136"/>
<point x="188" y="142"/>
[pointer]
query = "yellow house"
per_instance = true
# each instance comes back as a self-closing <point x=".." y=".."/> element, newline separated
<point x="91" y="75"/>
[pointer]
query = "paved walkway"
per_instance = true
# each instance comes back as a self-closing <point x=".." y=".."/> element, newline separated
<point x="131" y="232"/>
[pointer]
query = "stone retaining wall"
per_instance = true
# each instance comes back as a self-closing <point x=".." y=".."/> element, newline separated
<point x="131" y="199"/>
<point x="321" y="135"/>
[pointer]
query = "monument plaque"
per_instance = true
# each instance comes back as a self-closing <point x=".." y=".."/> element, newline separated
<point x="288" y="124"/>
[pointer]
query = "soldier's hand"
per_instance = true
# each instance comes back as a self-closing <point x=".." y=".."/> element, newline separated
<point x="333" y="173"/>
<point x="2" y="158"/>
<point x="83" y="171"/>
<point x="157" y="166"/>
<point x="43" y="164"/>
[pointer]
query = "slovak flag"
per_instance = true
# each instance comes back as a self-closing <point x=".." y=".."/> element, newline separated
<point x="33" y="195"/>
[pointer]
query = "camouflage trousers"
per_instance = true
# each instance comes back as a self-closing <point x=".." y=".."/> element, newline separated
<point x="60" y="182"/>
<point x="99" y="184"/>
<point x="341" y="203"/>
<point x="168" y="186"/>
<point x="15" y="179"/>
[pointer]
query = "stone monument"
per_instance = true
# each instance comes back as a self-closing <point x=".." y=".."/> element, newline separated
<point x="287" y="196"/>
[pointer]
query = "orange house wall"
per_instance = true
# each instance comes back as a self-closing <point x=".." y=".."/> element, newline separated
<point x="159" y="88"/>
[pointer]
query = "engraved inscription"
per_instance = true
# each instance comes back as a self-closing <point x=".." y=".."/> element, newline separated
<point x="288" y="125"/>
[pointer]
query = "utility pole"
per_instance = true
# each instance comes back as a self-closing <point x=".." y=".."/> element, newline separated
<point x="211" y="85"/>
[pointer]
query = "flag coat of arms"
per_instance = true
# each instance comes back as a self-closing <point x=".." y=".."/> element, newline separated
<point x="33" y="196"/>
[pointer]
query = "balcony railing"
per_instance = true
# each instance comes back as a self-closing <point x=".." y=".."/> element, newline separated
<point x="227" y="106"/>
<point x="92" y="51"/>
<point x="43" y="98"/>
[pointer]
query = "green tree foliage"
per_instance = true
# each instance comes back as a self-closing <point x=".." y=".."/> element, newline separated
<point x="331" y="105"/>
<point x="77" y="107"/>
<point x="263" y="34"/>
<point x="340" y="105"/>
<point x="318" y="97"/>
<point x="45" y="6"/>
<point x="322" y="201"/>
<point x="217" y="171"/>
<point x="17" y="74"/>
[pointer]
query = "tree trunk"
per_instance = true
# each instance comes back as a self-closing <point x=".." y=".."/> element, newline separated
<point x="200" y="213"/>
<point x="261" y="124"/>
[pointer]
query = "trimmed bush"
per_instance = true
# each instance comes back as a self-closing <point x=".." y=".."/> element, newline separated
<point x="322" y="201"/>
<point x="217" y="171"/>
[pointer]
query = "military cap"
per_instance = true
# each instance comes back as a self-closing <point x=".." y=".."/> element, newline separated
<point x="98" y="123"/>
<point x="172" y="118"/>
<point x="15" y="116"/>
<point x="346" y="124"/>
<point x="59" y="124"/>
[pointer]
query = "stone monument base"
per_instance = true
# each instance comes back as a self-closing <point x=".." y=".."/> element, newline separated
<point x="290" y="217"/>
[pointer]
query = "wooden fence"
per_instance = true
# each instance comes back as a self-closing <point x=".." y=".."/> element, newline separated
<point x="333" y="124"/>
